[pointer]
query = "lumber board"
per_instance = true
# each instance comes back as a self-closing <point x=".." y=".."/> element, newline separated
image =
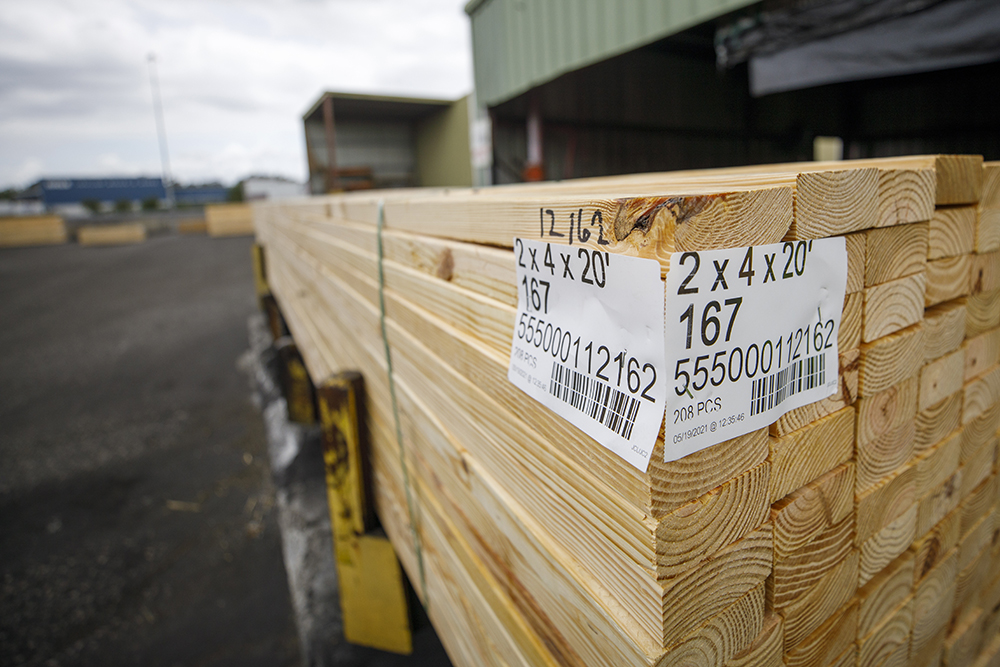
<point x="980" y="393"/>
<point x="990" y="654"/>
<point x="886" y="545"/>
<point x="719" y="639"/>
<point x="979" y="431"/>
<point x="931" y="650"/>
<point x="699" y="594"/>
<point x="851" y="318"/>
<point x="990" y="194"/>
<point x="987" y="230"/>
<point x="933" y="598"/>
<point x="884" y="593"/>
<point x="698" y="218"/>
<point x="978" y="467"/>
<point x="962" y="643"/>
<point x="797" y="573"/>
<point x="879" y="506"/>
<point x="895" y="252"/>
<point x="944" y="329"/>
<point x="892" y="306"/>
<point x="941" y="378"/>
<point x="937" y="421"/>
<point x="937" y="463"/>
<point x="937" y="504"/>
<point x="984" y="272"/>
<point x="982" y="313"/>
<point x="885" y="432"/>
<point x="802" y="515"/>
<point x="118" y="234"/>
<point x="811" y="609"/>
<point x="703" y="527"/>
<point x="766" y="648"/>
<point x="978" y="538"/>
<point x="947" y="279"/>
<point x="970" y="581"/>
<point x="803" y="455"/>
<point x="855" y="244"/>
<point x="978" y="504"/>
<point x="981" y="353"/>
<point x="229" y="220"/>
<point x="846" y="659"/>
<point x="32" y="230"/>
<point x="887" y="637"/>
<point x="890" y="360"/>
<point x="951" y="232"/>
<point x="828" y="642"/>
<point x="931" y="549"/>
<point x="959" y="179"/>
<point x="846" y="395"/>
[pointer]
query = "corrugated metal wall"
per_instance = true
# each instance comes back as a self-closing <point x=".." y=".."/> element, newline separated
<point x="519" y="44"/>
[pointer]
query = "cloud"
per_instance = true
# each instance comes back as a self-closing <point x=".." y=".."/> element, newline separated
<point x="235" y="78"/>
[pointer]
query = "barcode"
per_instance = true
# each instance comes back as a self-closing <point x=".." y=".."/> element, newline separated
<point x="616" y="410"/>
<point x="770" y="391"/>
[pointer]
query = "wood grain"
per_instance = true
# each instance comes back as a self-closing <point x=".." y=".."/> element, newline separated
<point x="716" y="642"/>
<point x="944" y="329"/>
<point x="951" y="232"/>
<point x="879" y="506"/>
<point x="803" y="455"/>
<point x="981" y="353"/>
<point x="982" y="313"/>
<point x="988" y="230"/>
<point x="937" y="504"/>
<point x="884" y="546"/>
<point x="938" y="462"/>
<point x="892" y="306"/>
<point x="887" y="637"/>
<point x="962" y="643"/>
<point x="947" y="279"/>
<point x="766" y="648"/>
<point x="937" y="421"/>
<point x="984" y="272"/>
<point x="932" y="548"/>
<point x="941" y="378"/>
<point x="890" y="360"/>
<point x="895" y="252"/>
<point x="810" y="610"/>
<point x="828" y="642"/>
<point x="933" y="599"/>
<point x="802" y="515"/>
<point x="885" y="432"/>
<point x="855" y="244"/>
<point x="797" y="573"/>
<point x="884" y="593"/>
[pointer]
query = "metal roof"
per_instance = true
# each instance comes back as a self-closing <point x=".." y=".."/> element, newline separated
<point x="353" y="105"/>
<point x="519" y="44"/>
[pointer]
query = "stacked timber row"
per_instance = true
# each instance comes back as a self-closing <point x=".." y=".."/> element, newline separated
<point x="858" y="530"/>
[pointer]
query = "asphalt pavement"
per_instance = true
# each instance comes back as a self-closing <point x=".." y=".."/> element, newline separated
<point x="137" y="520"/>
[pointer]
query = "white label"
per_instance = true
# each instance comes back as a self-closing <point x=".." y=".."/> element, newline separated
<point x="751" y="334"/>
<point x="588" y="342"/>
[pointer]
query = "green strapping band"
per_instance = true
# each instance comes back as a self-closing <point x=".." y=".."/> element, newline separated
<point x="395" y="411"/>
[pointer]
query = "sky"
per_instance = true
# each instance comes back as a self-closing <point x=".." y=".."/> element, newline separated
<point x="235" y="79"/>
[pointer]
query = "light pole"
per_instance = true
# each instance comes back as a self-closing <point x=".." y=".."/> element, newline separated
<point x="161" y="130"/>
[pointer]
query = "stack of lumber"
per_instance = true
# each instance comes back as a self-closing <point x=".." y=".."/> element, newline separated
<point x="229" y="219"/>
<point x="117" y="234"/>
<point x="193" y="226"/>
<point x="32" y="230"/>
<point x="858" y="530"/>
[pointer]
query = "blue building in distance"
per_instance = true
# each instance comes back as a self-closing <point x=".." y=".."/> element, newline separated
<point x="76" y="195"/>
<point x="62" y="192"/>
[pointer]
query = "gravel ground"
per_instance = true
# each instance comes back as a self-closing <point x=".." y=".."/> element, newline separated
<point x="136" y="505"/>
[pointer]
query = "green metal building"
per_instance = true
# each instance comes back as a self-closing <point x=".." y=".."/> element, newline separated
<point x="577" y="88"/>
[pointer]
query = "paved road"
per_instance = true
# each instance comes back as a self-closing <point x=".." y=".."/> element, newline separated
<point x="136" y="510"/>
